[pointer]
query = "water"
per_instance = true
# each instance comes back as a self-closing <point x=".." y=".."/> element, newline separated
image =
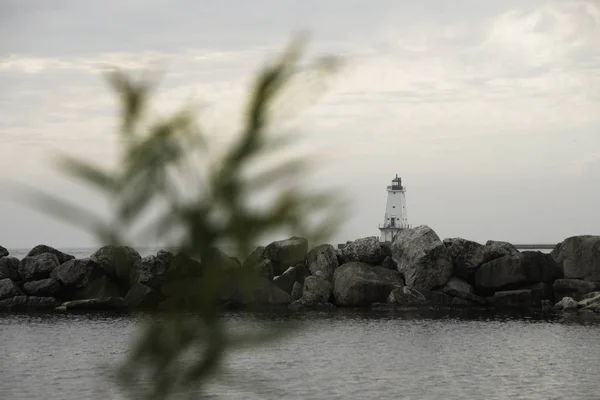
<point x="338" y="355"/>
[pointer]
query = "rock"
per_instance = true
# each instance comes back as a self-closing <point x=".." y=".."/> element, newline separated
<point x="309" y="304"/>
<point x="149" y="271"/>
<point x="220" y="259"/>
<point x="322" y="259"/>
<point x="105" y="304"/>
<point x="48" y="287"/>
<point x="142" y="297"/>
<point x="566" y="304"/>
<point x="286" y="280"/>
<point x="589" y="300"/>
<point x="36" y="267"/>
<point x="517" y="269"/>
<point x="286" y="253"/>
<point x="102" y="287"/>
<point x="117" y="261"/>
<point x="458" y="302"/>
<point x="579" y="257"/>
<point x="546" y="305"/>
<point x="388" y="263"/>
<point x="265" y="268"/>
<point x="541" y="291"/>
<point x="466" y="256"/>
<point x="360" y="284"/>
<point x="8" y="289"/>
<point x="522" y="298"/>
<point x="318" y="289"/>
<point x="3" y="252"/>
<point x="501" y="248"/>
<point x="9" y="268"/>
<point x="422" y="258"/>
<point x="574" y="288"/>
<point x="254" y="258"/>
<point x="42" y="248"/>
<point x="166" y="257"/>
<point x="261" y="292"/>
<point x="365" y="250"/>
<point x="27" y="303"/>
<point x="407" y="296"/>
<point x="458" y="288"/>
<point x="78" y="273"/>
<point x="297" y="291"/>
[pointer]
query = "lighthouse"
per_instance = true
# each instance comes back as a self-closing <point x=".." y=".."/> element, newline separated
<point x="395" y="211"/>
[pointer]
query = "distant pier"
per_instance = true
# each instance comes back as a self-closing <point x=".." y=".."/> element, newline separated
<point x="534" y="246"/>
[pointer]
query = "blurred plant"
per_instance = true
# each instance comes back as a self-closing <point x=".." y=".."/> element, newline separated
<point x="163" y="167"/>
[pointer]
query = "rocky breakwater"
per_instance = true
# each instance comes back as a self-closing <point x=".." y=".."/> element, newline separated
<point x="417" y="270"/>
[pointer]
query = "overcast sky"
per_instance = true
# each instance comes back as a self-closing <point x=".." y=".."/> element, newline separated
<point x="488" y="110"/>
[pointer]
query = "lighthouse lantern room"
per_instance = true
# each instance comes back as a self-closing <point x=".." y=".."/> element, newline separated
<point x="395" y="219"/>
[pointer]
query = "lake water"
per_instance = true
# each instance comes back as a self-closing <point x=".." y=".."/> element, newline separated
<point x="345" y="354"/>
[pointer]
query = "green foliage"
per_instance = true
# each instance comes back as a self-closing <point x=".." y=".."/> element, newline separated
<point x="161" y="178"/>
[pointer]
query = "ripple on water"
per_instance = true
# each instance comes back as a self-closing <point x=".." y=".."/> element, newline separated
<point x="346" y="354"/>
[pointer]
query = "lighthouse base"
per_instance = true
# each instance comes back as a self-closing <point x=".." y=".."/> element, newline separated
<point x="388" y="234"/>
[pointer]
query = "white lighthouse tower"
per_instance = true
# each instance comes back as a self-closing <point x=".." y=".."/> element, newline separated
<point x="395" y="211"/>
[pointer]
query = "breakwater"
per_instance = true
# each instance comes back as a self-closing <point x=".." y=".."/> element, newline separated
<point x="417" y="270"/>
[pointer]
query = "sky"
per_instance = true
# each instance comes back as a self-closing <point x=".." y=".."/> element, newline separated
<point x="488" y="110"/>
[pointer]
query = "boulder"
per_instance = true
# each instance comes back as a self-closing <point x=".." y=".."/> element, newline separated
<point x="422" y="258"/>
<point x="522" y="298"/>
<point x="3" y="252"/>
<point x="149" y="271"/>
<point x="518" y="269"/>
<point x="566" y="304"/>
<point x="103" y="304"/>
<point x="322" y="259"/>
<point x="457" y="302"/>
<point x="588" y="299"/>
<point x="166" y="257"/>
<point x="48" y="287"/>
<point x="36" y="267"/>
<point x="78" y="273"/>
<point x="117" y="261"/>
<point x="360" y="284"/>
<point x="458" y="288"/>
<point x="218" y="258"/>
<point x="388" y="263"/>
<point x="310" y="304"/>
<point x="365" y="250"/>
<point x="318" y="289"/>
<point x="407" y="296"/>
<point x="261" y="292"/>
<point x="297" y="290"/>
<point x="254" y="258"/>
<point x="286" y="253"/>
<point x="579" y="257"/>
<point x="183" y="267"/>
<point x="9" y="268"/>
<point x="42" y="248"/>
<point x="8" y="289"/>
<point x="102" y="287"/>
<point x="466" y="256"/>
<point x="286" y="280"/>
<point x="542" y="291"/>
<point x="265" y="268"/>
<point x="142" y="297"/>
<point x="574" y="288"/>
<point x="27" y="303"/>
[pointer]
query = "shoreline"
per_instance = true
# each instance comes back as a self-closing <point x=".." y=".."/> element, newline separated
<point x="416" y="272"/>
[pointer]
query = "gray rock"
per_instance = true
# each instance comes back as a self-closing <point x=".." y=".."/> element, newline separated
<point x="458" y="302"/>
<point x="261" y="292"/>
<point x="566" y="304"/>
<point x="309" y="304"/>
<point x="517" y="269"/>
<point x="117" y="261"/>
<point x="458" y="288"/>
<point x="102" y="287"/>
<point x="36" y="267"/>
<point x="575" y="288"/>
<point x="166" y="257"/>
<point x="3" y="252"/>
<point x="149" y="271"/>
<point x="522" y="298"/>
<point x="142" y="297"/>
<point x="366" y="250"/>
<point x="317" y="288"/>
<point x="360" y="284"/>
<point x="588" y="300"/>
<point x="407" y="296"/>
<point x="27" y="303"/>
<point x="286" y="280"/>
<point x="42" y="248"/>
<point x="255" y="257"/>
<point x="422" y="258"/>
<point x="579" y="257"/>
<point x="78" y="273"/>
<point x="542" y="291"/>
<point x="322" y="259"/>
<point x="466" y="256"/>
<point x="104" y="304"/>
<point x="297" y="291"/>
<point x="388" y="263"/>
<point x="48" y="287"/>
<point x="265" y="268"/>
<point x="286" y="253"/>
<point x="9" y="268"/>
<point x="8" y="289"/>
